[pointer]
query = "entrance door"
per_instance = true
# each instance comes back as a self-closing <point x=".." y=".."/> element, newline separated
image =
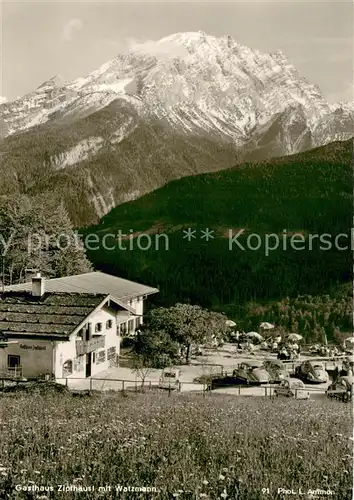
<point x="13" y="361"/>
<point x="88" y="364"/>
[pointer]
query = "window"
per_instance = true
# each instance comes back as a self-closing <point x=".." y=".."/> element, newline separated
<point x="297" y="384"/>
<point x="111" y="352"/>
<point x="109" y="324"/>
<point x="131" y="325"/>
<point x="67" y="368"/>
<point x="123" y="328"/>
<point x="13" y="361"/>
<point x="101" y="357"/>
<point x="98" y="327"/>
<point x="93" y="357"/>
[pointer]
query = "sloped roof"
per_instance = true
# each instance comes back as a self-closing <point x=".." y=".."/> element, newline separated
<point x="95" y="282"/>
<point x="53" y="316"/>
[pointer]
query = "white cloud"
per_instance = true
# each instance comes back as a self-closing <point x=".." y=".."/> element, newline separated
<point x="70" y="28"/>
<point x="161" y="49"/>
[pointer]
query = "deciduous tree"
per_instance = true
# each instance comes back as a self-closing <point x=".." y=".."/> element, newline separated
<point x="186" y="325"/>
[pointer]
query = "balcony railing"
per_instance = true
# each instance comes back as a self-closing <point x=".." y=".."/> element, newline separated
<point x="12" y="372"/>
<point x="84" y="347"/>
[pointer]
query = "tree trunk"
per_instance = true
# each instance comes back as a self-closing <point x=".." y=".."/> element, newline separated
<point x="187" y="353"/>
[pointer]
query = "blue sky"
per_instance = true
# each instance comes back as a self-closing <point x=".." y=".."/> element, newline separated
<point x="42" y="39"/>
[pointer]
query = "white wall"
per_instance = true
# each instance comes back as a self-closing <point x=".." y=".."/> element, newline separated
<point x="67" y="350"/>
<point x="111" y="338"/>
<point x="137" y="305"/>
<point x="36" y="357"/>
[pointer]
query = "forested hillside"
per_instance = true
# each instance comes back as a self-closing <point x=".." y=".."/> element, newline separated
<point x="306" y="194"/>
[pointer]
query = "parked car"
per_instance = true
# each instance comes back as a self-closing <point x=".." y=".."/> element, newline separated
<point x="276" y="369"/>
<point x="170" y="378"/>
<point x="341" y="389"/>
<point x="251" y="372"/>
<point x="312" y="372"/>
<point x="291" y="388"/>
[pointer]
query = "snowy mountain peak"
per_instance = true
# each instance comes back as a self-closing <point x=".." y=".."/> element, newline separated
<point x="186" y="104"/>
<point x="186" y="38"/>
<point x="55" y="81"/>
<point x="198" y="84"/>
<point x="200" y="41"/>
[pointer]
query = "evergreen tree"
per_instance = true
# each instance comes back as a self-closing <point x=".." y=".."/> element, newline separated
<point x="36" y="233"/>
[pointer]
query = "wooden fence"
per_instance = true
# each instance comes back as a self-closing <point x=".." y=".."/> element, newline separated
<point x="81" y="386"/>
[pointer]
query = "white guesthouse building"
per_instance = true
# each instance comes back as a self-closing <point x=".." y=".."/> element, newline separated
<point x="68" y="327"/>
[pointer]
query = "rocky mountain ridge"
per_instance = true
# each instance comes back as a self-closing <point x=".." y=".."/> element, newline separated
<point x="163" y="110"/>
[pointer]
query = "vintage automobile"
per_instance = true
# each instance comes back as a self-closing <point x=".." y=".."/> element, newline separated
<point x="341" y="389"/>
<point x="170" y="379"/>
<point x="251" y="372"/>
<point x="277" y="370"/>
<point x="292" y="388"/>
<point x="312" y="372"/>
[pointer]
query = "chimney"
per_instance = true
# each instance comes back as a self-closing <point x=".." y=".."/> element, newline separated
<point x="29" y="274"/>
<point x="38" y="285"/>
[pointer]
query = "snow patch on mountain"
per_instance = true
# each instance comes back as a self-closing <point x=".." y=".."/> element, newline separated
<point x="92" y="84"/>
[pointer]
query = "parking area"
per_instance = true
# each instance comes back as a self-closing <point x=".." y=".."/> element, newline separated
<point x="212" y="362"/>
<point x="316" y="391"/>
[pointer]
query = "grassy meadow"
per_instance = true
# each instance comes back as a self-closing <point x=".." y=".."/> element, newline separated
<point x="183" y="446"/>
